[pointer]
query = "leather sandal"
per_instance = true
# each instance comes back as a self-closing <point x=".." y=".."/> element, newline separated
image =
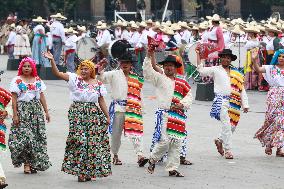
<point x="279" y="153"/>
<point x="116" y="161"/>
<point x="219" y="146"/>
<point x="268" y="151"/>
<point x="175" y="173"/>
<point x="142" y="161"/>
<point x="27" y="168"/>
<point x="229" y="155"/>
<point x="83" y="179"/>
<point x="33" y="170"/>
<point x="183" y="161"/>
<point x="151" y="167"/>
<point x="3" y="185"/>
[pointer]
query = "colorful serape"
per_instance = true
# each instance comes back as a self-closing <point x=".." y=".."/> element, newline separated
<point x="133" y="124"/>
<point x="237" y="80"/>
<point x="177" y="117"/>
<point x="5" y="98"/>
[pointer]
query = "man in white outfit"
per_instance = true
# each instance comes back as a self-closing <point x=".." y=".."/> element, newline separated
<point x="230" y="96"/>
<point x="58" y="36"/>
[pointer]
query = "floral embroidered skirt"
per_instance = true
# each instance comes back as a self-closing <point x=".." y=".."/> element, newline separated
<point x="27" y="141"/>
<point x="87" y="150"/>
<point x="271" y="134"/>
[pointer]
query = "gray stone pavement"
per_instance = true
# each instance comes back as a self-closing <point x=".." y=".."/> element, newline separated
<point x="251" y="168"/>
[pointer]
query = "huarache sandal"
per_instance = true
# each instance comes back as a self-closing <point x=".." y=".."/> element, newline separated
<point x="219" y="146"/>
<point x="84" y="179"/>
<point x="33" y="170"/>
<point x="142" y="161"/>
<point x="229" y="155"/>
<point x="116" y="161"/>
<point x="268" y="151"/>
<point x="27" y="168"/>
<point x="279" y="153"/>
<point x="151" y="167"/>
<point x="183" y="161"/>
<point x="3" y="185"/>
<point x="175" y="173"/>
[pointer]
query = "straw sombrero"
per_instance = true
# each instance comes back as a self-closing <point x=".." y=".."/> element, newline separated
<point x="58" y="16"/>
<point x="39" y="19"/>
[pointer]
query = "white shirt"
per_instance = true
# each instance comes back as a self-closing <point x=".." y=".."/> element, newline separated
<point x="177" y="38"/>
<point x="274" y="76"/>
<point x="164" y="87"/>
<point x="151" y="33"/>
<point x="143" y="40"/>
<point x="49" y="40"/>
<point x="212" y="34"/>
<point x="125" y="35"/>
<point x="117" y="33"/>
<point x="70" y="42"/>
<point x="80" y="91"/>
<point x="11" y="39"/>
<point x="134" y="38"/>
<point x="37" y="29"/>
<point x="185" y="35"/>
<point x="222" y="83"/>
<point x="269" y="42"/>
<point x="104" y="38"/>
<point x="250" y="44"/>
<point x="27" y="91"/>
<point x="204" y="37"/>
<point x="57" y="29"/>
<point x="118" y="85"/>
<point x="227" y="42"/>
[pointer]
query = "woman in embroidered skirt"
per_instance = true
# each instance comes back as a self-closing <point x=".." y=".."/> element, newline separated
<point x="271" y="134"/>
<point x="87" y="153"/>
<point x="27" y="139"/>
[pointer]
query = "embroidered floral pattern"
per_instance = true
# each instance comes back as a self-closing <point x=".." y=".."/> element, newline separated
<point x="24" y="87"/>
<point x="275" y="71"/>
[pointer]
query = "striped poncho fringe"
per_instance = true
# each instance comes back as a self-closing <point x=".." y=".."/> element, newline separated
<point x="237" y="80"/>
<point x="176" y="118"/>
<point x="133" y="125"/>
<point x="5" y="98"/>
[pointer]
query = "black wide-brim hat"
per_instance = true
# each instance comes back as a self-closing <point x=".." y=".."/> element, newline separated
<point x="174" y="59"/>
<point x="228" y="52"/>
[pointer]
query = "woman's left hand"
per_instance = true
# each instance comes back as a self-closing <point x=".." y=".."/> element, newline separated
<point x="47" y="117"/>
<point x="108" y="120"/>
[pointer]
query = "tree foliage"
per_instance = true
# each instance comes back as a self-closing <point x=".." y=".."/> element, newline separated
<point x="31" y="8"/>
<point x="274" y="2"/>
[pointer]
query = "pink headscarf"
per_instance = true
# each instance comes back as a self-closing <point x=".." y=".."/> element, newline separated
<point x="32" y="63"/>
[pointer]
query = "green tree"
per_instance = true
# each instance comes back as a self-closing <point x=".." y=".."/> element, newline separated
<point x="274" y="2"/>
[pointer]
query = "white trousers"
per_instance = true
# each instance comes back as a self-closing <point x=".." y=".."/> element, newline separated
<point x="117" y="129"/>
<point x="173" y="147"/>
<point x="2" y="175"/>
<point x="226" y="130"/>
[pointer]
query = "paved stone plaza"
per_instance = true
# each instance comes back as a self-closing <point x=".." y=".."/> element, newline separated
<point x="251" y="168"/>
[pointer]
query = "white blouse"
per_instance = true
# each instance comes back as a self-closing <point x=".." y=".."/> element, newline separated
<point x="274" y="76"/>
<point x="80" y="91"/>
<point x="27" y="91"/>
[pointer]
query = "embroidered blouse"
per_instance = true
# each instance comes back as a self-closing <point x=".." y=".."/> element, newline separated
<point x="27" y="91"/>
<point x="274" y="76"/>
<point x="81" y="91"/>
